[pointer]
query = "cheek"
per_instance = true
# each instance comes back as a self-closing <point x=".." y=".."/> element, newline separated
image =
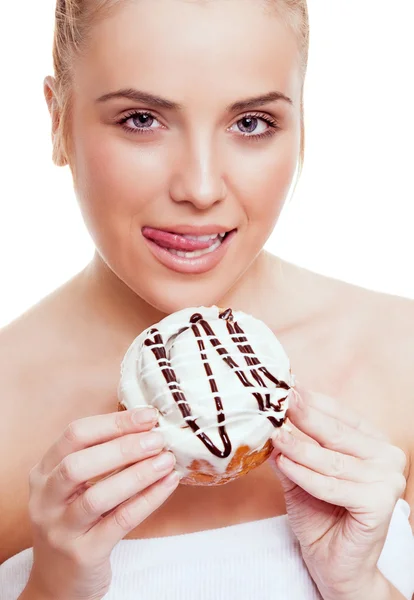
<point x="115" y="180"/>
<point x="267" y="177"/>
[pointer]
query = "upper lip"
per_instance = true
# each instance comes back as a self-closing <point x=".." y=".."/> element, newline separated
<point x="195" y="229"/>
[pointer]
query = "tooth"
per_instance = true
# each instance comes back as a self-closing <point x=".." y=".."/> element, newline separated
<point x="201" y="238"/>
<point x="196" y="253"/>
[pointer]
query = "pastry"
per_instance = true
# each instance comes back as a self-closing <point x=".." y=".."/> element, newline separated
<point x="221" y="382"/>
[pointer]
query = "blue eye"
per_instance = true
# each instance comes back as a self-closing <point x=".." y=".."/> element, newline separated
<point x="259" y="125"/>
<point x="249" y="124"/>
<point x="142" y="121"/>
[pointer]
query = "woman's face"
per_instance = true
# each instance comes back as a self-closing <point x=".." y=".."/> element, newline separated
<point x="166" y="146"/>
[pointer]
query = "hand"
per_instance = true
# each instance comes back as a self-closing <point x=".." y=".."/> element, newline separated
<point x="341" y="483"/>
<point x="76" y="523"/>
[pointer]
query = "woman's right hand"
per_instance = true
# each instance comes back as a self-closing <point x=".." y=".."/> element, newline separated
<point x="75" y="523"/>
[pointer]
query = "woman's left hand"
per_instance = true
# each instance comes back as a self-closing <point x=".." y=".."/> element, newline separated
<point x="340" y="493"/>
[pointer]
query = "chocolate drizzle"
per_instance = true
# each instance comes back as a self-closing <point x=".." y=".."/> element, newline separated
<point x="171" y="378"/>
<point x="237" y="333"/>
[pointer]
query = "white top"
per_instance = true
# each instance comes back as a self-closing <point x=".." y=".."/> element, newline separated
<point x="260" y="559"/>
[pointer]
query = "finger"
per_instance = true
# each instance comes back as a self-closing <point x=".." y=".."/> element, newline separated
<point x="286" y="483"/>
<point x="334" y="408"/>
<point x="97" y="429"/>
<point x="353" y="496"/>
<point x="335" y="434"/>
<point x="126" y="517"/>
<point x="326" y="462"/>
<point x="297" y="432"/>
<point x="106" y="495"/>
<point x="77" y="468"/>
<point x="328" y="489"/>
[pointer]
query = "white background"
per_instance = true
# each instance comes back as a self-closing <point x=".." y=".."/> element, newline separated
<point x="352" y="213"/>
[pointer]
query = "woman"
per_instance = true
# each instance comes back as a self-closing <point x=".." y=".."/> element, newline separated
<point x="175" y="128"/>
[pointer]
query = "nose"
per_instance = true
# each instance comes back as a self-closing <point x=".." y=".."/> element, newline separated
<point x="197" y="177"/>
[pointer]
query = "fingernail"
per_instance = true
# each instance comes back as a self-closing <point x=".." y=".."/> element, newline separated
<point x="171" y="480"/>
<point x="285" y="437"/>
<point x="297" y="399"/>
<point x="282" y="459"/>
<point x="282" y="435"/>
<point x="276" y="435"/>
<point x="152" y="441"/>
<point x="163" y="461"/>
<point x="141" y="416"/>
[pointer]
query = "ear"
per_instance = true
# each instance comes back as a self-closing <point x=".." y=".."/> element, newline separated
<point x="49" y="91"/>
<point x="52" y="102"/>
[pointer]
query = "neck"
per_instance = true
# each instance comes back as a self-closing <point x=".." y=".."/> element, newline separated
<point x="113" y="302"/>
<point x="265" y="290"/>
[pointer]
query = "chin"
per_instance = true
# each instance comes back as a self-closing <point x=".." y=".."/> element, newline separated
<point x="173" y="298"/>
<point x="168" y="295"/>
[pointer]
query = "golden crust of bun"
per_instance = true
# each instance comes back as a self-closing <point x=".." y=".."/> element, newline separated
<point x="201" y="472"/>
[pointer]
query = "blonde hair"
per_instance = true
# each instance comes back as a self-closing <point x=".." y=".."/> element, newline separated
<point x="74" y="20"/>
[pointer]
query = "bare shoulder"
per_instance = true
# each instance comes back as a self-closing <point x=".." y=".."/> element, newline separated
<point x="390" y="335"/>
<point x="367" y="339"/>
<point x="27" y="368"/>
<point x="50" y="375"/>
<point x="30" y="350"/>
<point x="381" y="324"/>
<point x="385" y="343"/>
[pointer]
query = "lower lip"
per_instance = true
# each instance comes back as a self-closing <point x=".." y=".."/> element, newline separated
<point x="193" y="266"/>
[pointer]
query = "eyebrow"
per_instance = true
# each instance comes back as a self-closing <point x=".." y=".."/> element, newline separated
<point x="147" y="98"/>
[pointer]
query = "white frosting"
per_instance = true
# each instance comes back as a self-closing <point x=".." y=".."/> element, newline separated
<point x="142" y="383"/>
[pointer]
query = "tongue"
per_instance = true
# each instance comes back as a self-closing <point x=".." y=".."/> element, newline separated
<point x="175" y="241"/>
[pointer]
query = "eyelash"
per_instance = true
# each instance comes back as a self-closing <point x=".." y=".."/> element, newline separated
<point x="274" y="127"/>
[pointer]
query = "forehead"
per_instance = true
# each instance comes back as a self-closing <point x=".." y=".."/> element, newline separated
<point x="225" y="47"/>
